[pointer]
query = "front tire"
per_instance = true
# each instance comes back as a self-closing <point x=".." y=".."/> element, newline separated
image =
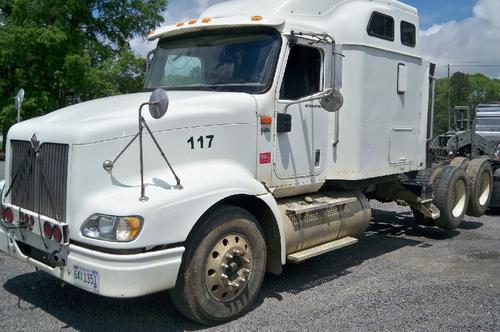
<point x="223" y="267"/>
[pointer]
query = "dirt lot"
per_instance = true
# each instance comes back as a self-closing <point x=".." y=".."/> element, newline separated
<point x="398" y="277"/>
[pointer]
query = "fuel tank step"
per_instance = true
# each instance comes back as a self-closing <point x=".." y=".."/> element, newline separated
<point x="321" y="249"/>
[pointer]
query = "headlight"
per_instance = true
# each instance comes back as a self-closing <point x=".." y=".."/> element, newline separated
<point x="112" y="228"/>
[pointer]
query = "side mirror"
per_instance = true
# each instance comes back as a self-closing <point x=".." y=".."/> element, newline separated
<point x="18" y="100"/>
<point x="333" y="101"/>
<point x="158" y="103"/>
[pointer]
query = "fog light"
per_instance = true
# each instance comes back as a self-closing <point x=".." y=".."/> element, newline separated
<point x="8" y="215"/>
<point x="56" y="234"/>
<point x="47" y="230"/>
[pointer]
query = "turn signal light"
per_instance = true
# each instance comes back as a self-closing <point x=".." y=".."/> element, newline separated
<point x="47" y="230"/>
<point x="8" y="215"/>
<point x="56" y="234"/>
<point x="266" y="120"/>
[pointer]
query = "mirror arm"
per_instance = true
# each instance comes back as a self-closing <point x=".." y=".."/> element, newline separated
<point x="314" y="97"/>
<point x="108" y="164"/>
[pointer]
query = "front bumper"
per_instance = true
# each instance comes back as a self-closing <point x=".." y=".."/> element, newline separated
<point x="119" y="275"/>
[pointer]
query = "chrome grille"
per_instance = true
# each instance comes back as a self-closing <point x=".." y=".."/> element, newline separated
<point x="32" y="190"/>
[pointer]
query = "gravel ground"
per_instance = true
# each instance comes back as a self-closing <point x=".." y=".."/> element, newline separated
<point x="398" y="277"/>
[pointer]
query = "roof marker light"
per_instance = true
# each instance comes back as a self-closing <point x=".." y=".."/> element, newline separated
<point x="180" y="24"/>
<point x="206" y="20"/>
<point x="257" y="18"/>
<point x="193" y="21"/>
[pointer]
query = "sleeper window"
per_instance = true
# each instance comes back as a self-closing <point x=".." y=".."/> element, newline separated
<point x="381" y="26"/>
<point x="303" y="73"/>
<point x="408" y="34"/>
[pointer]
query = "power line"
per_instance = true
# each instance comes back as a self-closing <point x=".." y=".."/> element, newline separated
<point x="474" y="64"/>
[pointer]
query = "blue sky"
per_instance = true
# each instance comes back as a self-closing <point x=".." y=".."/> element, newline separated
<point x="440" y="11"/>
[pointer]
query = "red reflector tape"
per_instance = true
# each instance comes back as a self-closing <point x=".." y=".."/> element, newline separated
<point x="265" y="158"/>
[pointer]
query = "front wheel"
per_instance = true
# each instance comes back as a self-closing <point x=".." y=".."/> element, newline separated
<point x="223" y="267"/>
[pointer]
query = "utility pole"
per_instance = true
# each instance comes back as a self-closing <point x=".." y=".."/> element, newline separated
<point x="449" y="98"/>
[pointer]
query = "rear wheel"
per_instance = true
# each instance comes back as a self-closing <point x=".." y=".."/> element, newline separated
<point x="223" y="267"/>
<point x="451" y="196"/>
<point x="426" y="177"/>
<point x="480" y="178"/>
<point x="461" y="162"/>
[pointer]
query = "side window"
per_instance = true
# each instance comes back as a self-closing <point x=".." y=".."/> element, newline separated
<point x="381" y="26"/>
<point x="302" y="74"/>
<point x="181" y="70"/>
<point x="408" y="34"/>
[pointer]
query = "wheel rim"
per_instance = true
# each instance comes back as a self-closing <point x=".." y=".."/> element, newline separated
<point x="484" y="188"/>
<point x="228" y="267"/>
<point x="459" y="198"/>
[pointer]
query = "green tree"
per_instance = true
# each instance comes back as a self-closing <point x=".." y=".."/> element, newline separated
<point x="60" y="50"/>
<point x="466" y="90"/>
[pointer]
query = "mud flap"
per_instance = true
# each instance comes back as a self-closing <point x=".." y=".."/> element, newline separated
<point x="495" y="199"/>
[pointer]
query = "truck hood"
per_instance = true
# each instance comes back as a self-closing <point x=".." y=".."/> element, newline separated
<point x="116" y="117"/>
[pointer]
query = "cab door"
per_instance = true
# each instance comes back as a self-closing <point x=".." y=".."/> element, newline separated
<point x="301" y="149"/>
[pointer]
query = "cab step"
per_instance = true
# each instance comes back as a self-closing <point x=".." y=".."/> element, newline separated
<point x="301" y="256"/>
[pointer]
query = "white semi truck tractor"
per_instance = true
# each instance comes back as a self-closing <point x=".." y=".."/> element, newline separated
<point x="264" y="129"/>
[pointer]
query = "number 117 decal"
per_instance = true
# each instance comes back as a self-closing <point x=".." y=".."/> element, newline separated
<point x="201" y="142"/>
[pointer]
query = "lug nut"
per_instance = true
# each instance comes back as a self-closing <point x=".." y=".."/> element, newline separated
<point x="236" y="252"/>
<point x="223" y="276"/>
<point x="229" y="256"/>
<point x="224" y="266"/>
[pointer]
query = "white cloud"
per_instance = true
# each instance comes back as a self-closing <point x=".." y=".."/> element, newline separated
<point x="432" y="30"/>
<point x="474" y="40"/>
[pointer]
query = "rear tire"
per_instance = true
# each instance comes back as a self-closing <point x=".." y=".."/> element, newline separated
<point x="223" y="267"/>
<point x="451" y="196"/>
<point x="461" y="162"/>
<point x="428" y="177"/>
<point x="480" y="178"/>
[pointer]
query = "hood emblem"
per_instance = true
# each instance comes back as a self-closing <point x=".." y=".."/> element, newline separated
<point x="35" y="143"/>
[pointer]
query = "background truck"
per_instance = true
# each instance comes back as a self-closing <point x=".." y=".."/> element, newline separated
<point x="488" y="121"/>
<point x="282" y="120"/>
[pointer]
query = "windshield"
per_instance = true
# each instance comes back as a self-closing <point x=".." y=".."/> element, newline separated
<point x="242" y="61"/>
<point x="488" y="124"/>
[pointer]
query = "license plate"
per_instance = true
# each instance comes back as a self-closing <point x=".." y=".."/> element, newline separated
<point x="86" y="278"/>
